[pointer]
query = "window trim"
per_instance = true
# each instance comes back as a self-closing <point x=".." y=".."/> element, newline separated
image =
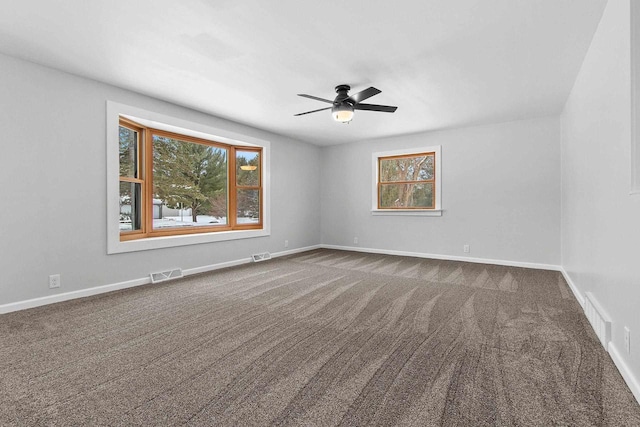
<point x="409" y="152"/>
<point x="190" y="129"/>
<point x="635" y="99"/>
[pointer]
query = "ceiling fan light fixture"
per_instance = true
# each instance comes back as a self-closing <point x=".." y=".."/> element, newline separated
<point x="342" y="113"/>
<point x="343" y="106"/>
<point x="248" y="167"/>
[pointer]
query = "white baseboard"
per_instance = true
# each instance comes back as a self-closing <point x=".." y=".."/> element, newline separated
<point x="295" y="251"/>
<point x="211" y="267"/>
<point x="626" y="373"/>
<point x="66" y="296"/>
<point x="573" y="287"/>
<point x="218" y="266"/>
<point x="82" y="293"/>
<point x="537" y="266"/>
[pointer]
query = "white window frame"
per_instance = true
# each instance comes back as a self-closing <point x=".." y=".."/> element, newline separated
<point x="635" y="98"/>
<point x="436" y="211"/>
<point x="173" y="124"/>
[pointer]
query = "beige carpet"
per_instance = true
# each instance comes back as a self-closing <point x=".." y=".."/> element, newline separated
<point x="322" y="338"/>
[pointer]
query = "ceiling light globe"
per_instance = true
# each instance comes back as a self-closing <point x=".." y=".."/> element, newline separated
<point x="342" y="113"/>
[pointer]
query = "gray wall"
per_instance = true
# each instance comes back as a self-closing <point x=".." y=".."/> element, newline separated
<point x="500" y="194"/>
<point x="53" y="179"/>
<point x="600" y="220"/>
<point x="503" y="189"/>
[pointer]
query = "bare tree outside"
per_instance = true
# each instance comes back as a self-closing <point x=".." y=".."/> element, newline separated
<point x="407" y="182"/>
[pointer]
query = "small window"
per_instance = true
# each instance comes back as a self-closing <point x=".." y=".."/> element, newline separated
<point x="407" y="181"/>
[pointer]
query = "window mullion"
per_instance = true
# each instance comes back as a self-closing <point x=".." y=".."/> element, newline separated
<point x="233" y="190"/>
<point x="147" y="165"/>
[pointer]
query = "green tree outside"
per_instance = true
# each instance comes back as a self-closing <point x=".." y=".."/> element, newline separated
<point x="190" y="175"/>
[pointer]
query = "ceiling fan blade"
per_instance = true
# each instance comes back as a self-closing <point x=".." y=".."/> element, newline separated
<point x="315" y="97"/>
<point x="374" y="107"/>
<point x="365" y="94"/>
<point x="314" y="111"/>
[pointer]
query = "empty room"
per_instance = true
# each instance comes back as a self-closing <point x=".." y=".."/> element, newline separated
<point x="414" y="213"/>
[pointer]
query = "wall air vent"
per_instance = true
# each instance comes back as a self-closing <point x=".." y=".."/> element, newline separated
<point x="261" y="257"/>
<point x="598" y="318"/>
<point x="163" y="276"/>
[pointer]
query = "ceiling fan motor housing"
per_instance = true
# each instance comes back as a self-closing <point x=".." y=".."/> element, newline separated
<point x="342" y="91"/>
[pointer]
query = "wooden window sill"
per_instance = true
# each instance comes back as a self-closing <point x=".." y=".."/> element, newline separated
<point x="407" y="212"/>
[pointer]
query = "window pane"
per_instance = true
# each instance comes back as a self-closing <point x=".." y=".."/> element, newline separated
<point x="418" y="168"/>
<point x="406" y="196"/>
<point x="248" y="168"/>
<point x="189" y="184"/>
<point x="130" y="203"/>
<point x="128" y="152"/>
<point x="248" y="206"/>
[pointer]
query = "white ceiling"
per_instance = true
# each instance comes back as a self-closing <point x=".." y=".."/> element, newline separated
<point x="444" y="63"/>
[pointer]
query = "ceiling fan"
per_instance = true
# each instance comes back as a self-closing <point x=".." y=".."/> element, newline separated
<point x="344" y="105"/>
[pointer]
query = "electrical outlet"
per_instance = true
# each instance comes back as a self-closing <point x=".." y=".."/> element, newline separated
<point x="627" y="340"/>
<point x="466" y="249"/>
<point x="355" y="240"/>
<point x="54" y="281"/>
<point x="286" y="243"/>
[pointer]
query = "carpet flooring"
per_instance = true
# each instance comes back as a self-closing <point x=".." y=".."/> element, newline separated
<point x="321" y="338"/>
